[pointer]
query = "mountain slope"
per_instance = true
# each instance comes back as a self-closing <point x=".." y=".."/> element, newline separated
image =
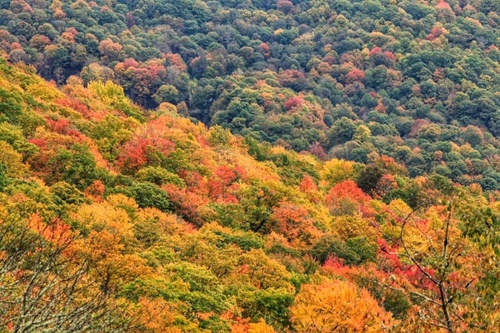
<point x="114" y="219"/>
<point x="412" y="79"/>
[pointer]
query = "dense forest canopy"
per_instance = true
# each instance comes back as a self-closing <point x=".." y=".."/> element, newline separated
<point x="249" y="166"/>
<point x="113" y="219"/>
<point x="417" y="80"/>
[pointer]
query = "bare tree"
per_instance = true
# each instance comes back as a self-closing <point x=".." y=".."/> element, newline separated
<point x="46" y="289"/>
<point x="445" y="300"/>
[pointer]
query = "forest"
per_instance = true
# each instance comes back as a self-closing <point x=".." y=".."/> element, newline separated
<point x="416" y="80"/>
<point x="253" y="166"/>
<point x="114" y="219"/>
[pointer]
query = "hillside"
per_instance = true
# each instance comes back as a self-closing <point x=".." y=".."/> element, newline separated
<point x="117" y="219"/>
<point x="416" y="80"/>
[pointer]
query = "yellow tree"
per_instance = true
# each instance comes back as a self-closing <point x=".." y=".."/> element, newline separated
<point x="245" y="326"/>
<point x="338" y="306"/>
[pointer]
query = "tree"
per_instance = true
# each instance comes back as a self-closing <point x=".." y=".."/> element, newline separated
<point x="294" y="222"/>
<point x="285" y="6"/>
<point x="369" y="178"/>
<point x="336" y="171"/>
<point x="148" y="147"/>
<point x="166" y="93"/>
<point x="45" y="283"/>
<point x="445" y="264"/>
<point x="342" y="131"/>
<point x="109" y="50"/>
<point x="337" y="306"/>
<point x="355" y="75"/>
<point x="346" y="198"/>
<point x="4" y="180"/>
<point x="149" y="195"/>
<point x="245" y="326"/>
<point x="11" y="161"/>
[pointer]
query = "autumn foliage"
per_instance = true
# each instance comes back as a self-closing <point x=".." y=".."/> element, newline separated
<point x="338" y="306"/>
<point x="118" y="219"/>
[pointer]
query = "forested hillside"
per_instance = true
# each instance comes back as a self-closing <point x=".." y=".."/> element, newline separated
<point x="416" y="80"/>
<point x="193" y="166"/>
<point x="114" y="219"/>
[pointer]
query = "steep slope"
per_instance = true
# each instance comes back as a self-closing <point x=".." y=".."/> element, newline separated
<point x="114" y="219"/>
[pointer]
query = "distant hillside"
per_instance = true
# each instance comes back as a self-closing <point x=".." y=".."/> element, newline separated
<point x="415" y="80"/>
